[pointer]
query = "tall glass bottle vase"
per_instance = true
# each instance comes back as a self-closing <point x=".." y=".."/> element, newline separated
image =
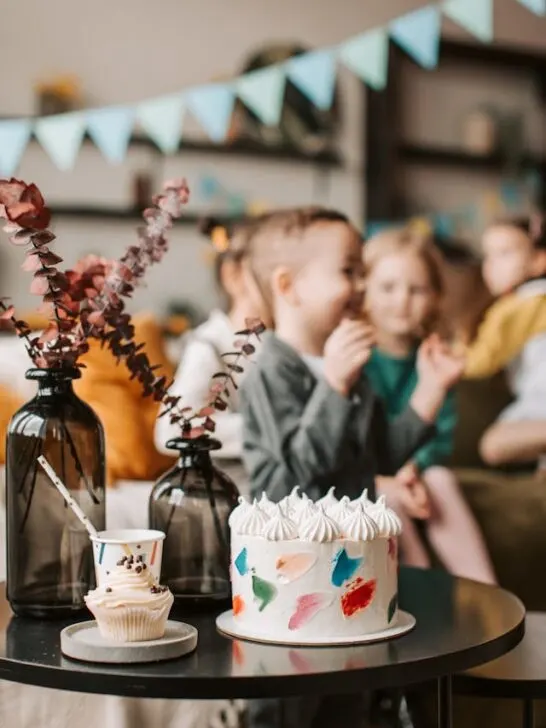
<point x="49" y="556"/>
<point x="191" y="504"/>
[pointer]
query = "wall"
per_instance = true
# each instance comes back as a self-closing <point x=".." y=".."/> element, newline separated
<point x="123" y="51"/>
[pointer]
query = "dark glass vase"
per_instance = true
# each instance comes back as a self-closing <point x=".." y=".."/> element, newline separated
<point x="49" y="557"/>
<point x="191" y="504"/>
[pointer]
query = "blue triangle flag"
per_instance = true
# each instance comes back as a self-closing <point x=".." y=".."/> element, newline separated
<point x="367" y="55"/>
<point x="61" y="137"/>
<point x="14" y="136"/>
<point x="314" y="74"/>
<point x="535" y="6"/>
<point x="476" y="16"/>
<point x="212" y="105"/>
<point x="110" y="129"/>
<point x="418" y="33"/>
<point x="161" y="119"/>
<point x="263" y="92"/>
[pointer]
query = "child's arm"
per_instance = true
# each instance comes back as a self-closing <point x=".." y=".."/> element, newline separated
<point x="506" y="328"/>
<point x="438" y="370"/>
<point x="283" y="447"/>
<point x="438" y="450"/>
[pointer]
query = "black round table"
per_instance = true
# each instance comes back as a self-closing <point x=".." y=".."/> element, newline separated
<point x="460" y="624"/>
<point x="519" y="674"/>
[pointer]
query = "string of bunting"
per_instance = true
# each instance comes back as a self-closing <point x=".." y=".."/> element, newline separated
<point x="418" y="33"/>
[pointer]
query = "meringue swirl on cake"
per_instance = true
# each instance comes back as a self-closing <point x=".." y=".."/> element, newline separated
<point x="253" y="521"/>
<point x="359" y="526"/>
<point x="388" y="523"/>
<point x="319" y="527"/>
<point x="280" y="527"/>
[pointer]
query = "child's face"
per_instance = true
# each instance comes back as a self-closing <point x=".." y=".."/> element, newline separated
<point x="509" y="259"/>
<point x="399" y="295"/>
<point x="329" y="287"/>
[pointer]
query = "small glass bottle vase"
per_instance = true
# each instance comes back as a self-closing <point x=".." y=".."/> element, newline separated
<point x="191" y="504"/>
<point x="49" y="556"/>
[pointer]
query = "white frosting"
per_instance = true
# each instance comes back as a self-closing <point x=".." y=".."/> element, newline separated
<point x="329" y="500"/>
<point x="266" y="505"/>
<point x="306" y="510"/>
<point x="388" y="523"/>
<point x="280" y="527"/>
<point x="133" y="586"/>
<point x="238" y="512"/>
<point x="252" y="522"/>
<point x="359" y="525"/>
<point x="342" y="510"/>
<point x="319" y="527"/>
<point x="364" y="500"/>
<point x="294" y="498"/>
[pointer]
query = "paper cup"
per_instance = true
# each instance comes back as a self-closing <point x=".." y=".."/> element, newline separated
<point x="111" y="545"/>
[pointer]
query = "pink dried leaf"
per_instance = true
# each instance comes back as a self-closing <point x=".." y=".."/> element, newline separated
<point x="8" y="313"/>
<point x="50" y="334"/>
<point x="196" y="432"/>
<point x="206" y="412"/>
<point x="31" y="263"/>
<point x="39" y="286"/>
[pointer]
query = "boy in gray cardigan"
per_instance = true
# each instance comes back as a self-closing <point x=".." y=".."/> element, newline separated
<point x="310" y="416"/>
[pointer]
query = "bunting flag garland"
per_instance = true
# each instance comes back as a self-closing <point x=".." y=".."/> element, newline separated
<point x="61" y="137"/>
<point x="535" y="6"/>
<point x="263" y="92"/>
<point x="418" y="33"/>
<point x="14" y="136"/>
<point x="110" y="128"/>
<point x="367" y="55"/>
<point x="476" y="16"/>
<point x="212" y="106"/>
<point x="162" y="119"/>
<point x="314" y="74"/>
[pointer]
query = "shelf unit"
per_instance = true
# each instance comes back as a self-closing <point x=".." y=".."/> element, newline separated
<point x="387" y="152"/>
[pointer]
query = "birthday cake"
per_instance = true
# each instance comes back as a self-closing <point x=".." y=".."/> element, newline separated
<point x="304" y="570"/>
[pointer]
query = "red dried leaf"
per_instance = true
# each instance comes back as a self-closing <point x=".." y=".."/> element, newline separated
<point x="216" y="388"/>
<point x="96" y="318"/>
<point x="206" y="412"/>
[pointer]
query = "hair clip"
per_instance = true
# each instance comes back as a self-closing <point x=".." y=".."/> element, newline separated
<point x="219" y="239"/>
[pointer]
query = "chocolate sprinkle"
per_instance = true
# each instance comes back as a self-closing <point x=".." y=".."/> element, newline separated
<point x="108" y="589"/>
<point x="138" y="569"/>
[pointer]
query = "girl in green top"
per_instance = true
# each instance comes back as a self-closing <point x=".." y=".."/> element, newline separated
<point x="403" y="297"/>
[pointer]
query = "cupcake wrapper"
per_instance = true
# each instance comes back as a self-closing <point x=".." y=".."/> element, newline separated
<point x="131" y="624"/>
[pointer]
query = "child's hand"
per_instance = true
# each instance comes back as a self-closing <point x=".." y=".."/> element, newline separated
<point x="413" y="492"/>
<point x="412" y="499"/>
<point x="438" y="369"/>
<point x="345" y="353"/>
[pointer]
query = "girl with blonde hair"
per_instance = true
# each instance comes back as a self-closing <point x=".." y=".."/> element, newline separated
<point x="404" y="290"/>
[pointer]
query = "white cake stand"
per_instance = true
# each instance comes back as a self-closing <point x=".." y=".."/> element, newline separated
<point x="227" y="624"/>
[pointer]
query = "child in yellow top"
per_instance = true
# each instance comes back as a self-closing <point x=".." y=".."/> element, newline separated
<point x="513" y="337"/>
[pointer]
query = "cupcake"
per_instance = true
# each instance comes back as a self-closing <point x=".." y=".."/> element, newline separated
<point x="130" y="606"/>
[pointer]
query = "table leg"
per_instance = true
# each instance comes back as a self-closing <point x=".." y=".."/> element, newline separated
<point x="445" y="707"/>
<point x="528" y="714"/>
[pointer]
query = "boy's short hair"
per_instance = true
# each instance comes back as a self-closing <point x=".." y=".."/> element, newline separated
<point x="273" y="238"/>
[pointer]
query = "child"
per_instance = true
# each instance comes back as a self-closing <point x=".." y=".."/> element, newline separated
<point x="513" y="337"/>
<point x="310" y="416"/>
<point x="403" y="296"/>
<point x="202" y="350"/>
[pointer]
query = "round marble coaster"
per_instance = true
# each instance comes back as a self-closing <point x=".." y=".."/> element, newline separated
<point x="83" y="641"/>
<point x="227" y="624"/>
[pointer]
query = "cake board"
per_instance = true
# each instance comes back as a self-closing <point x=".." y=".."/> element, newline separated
<point x="83" y="641"/>
<point x="228" y="625"/>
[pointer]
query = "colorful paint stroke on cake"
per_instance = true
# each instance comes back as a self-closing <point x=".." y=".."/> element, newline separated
<point x="344" y="567"/>
<point x="238" y="604"/>
<point x="241" y="562"/>
<point x="307" y="606"/>
<point x="358" y="596"/>
<point x="393" y="606"/>
<point x="264" y="591"/>
<point x="292" y="566"/>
